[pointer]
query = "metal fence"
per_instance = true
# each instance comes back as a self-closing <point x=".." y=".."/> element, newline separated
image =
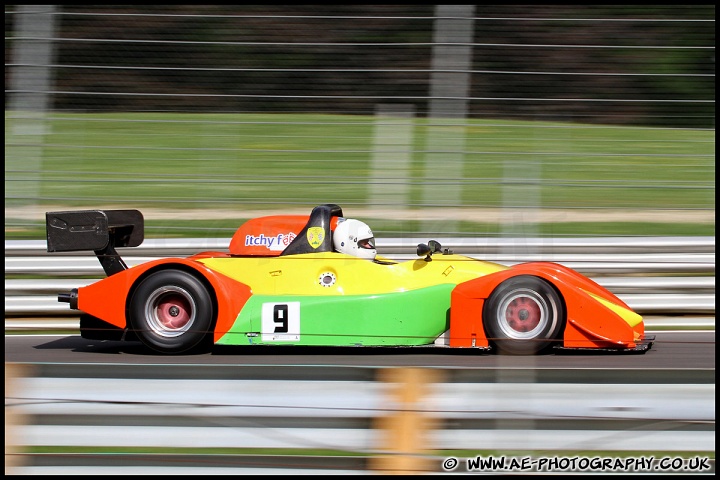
<point x="274" y="106"/>
<point x="652" y="275"/>
<point x="224" y="419"/>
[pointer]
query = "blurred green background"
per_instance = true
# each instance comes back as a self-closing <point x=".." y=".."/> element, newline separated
<point x="234" y="165"/>
<point x="443" y="120"/>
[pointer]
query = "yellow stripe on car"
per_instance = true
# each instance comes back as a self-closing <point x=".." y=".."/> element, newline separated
<point x="630" y="317"/>
<point x="311" y="274"/>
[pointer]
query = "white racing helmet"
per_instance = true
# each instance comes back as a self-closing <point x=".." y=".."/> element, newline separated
<point x="354" y="238"/>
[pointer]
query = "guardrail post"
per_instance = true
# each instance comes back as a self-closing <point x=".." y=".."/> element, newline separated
<point x="404" y="432"/>
<point x="13" y="420"/>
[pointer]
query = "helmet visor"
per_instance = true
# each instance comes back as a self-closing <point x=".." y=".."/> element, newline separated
<point x="368" y="243"/>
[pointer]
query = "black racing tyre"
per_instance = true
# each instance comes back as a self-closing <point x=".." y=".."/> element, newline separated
<point x="171" y="311"/>
<point x="523" y="316"/>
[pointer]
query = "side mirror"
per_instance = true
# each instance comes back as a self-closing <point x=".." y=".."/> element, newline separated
<point x="424" y="250"/>
<point x="432" y="246"/>
<point x="435" y="246"/>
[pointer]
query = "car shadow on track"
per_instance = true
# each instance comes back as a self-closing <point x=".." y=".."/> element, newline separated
<point x="111" y="347"/>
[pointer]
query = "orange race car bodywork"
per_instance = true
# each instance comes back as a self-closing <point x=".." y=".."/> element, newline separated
<point x="281" y="283"/>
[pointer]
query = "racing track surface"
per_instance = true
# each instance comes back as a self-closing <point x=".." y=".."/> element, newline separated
<point x="83" y="393"/>
<point x="673" y="350"/>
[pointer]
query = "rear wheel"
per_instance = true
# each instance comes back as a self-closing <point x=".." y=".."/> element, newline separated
<point x="171" y="311"/>
<point x="523" y="316"/>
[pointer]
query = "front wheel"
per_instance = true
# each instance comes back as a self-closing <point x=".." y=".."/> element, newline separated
<point x="523" y="316"/>
<point x="171" y="311"/>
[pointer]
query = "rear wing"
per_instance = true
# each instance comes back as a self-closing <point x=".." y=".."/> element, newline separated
<point x="98" y="230"/>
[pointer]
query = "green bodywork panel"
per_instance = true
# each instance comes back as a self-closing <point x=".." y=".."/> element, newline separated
<point x="408" y="318"/>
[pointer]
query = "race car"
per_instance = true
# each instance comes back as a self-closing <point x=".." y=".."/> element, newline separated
<point x="317" y="280"/>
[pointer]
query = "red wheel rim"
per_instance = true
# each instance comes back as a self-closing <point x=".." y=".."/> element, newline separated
<point x="174" y="311"/>
<point x="523" y="314"/>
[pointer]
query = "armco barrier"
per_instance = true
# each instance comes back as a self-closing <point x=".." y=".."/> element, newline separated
<point x="218" y="419"/>
<point x="654" y="275"/>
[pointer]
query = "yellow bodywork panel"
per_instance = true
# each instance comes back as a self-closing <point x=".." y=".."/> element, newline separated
<point x="338" y="274"/>
<point x="630" y="317"/>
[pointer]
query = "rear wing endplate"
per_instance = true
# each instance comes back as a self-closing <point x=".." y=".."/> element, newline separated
<point x="98" y="230"/>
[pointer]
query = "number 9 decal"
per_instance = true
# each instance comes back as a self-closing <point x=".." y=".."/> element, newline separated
<point x="281" y="322"/>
